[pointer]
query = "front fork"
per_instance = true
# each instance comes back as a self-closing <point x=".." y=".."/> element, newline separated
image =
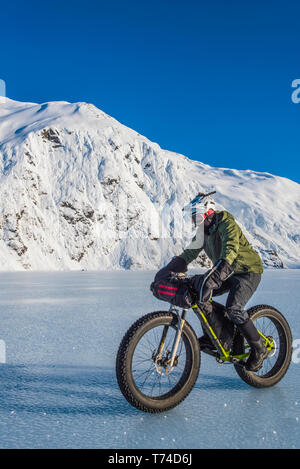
<point x="181" y="321"/>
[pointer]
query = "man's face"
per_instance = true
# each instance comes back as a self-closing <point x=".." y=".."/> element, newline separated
<point x="198" y="219"/>
<point x="198" y="214"/>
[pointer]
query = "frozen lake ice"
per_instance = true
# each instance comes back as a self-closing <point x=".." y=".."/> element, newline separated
<point x="58" y="387"/>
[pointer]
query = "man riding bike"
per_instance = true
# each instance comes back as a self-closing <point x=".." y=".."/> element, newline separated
<point x="237" y="269"/>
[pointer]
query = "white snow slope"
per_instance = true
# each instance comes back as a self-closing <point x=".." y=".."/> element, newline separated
<point x="79" y="190"/>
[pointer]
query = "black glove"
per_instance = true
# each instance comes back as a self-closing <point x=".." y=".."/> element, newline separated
<point x="176" y="265"/>
<point x="212" y="279"/>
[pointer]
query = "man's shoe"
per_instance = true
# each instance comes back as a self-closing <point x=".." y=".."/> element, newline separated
<point x="205" y="343"/>
<point x="257" y="355"/>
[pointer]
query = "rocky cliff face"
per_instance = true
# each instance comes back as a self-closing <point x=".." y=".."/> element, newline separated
<point x="79" y="190"/>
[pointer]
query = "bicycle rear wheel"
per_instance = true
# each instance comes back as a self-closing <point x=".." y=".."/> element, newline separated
<point x="272" y="324"/>
<point x="145" y="376"/>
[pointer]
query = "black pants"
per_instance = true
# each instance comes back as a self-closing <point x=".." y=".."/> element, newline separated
<point x="240" y="287"/>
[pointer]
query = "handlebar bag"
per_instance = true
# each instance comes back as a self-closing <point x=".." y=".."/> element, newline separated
<point x="175" y="291"/>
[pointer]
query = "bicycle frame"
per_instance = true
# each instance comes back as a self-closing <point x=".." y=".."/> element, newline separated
<point x="222" y="355"/>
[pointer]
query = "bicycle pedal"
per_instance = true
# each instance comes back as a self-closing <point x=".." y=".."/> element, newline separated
<point x="207" y="347"/>
<point x="209" y="351"/>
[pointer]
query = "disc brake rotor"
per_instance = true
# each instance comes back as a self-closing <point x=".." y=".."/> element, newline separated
<point x="162" y="364"/>
<point x="272" y="350"/>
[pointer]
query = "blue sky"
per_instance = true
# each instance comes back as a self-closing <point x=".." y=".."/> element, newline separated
<point x="209" y="79"/>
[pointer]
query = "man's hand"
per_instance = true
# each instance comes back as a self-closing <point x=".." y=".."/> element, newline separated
<point x="176" y="265"/>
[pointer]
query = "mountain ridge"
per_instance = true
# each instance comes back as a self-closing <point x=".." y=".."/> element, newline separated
<point x="69" y="172"/>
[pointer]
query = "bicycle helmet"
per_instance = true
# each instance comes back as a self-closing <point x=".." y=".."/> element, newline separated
<point x="200" y="207"/>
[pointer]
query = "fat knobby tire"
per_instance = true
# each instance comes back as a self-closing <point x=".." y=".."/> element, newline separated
<point x="124" y="361"/>
<point x="283" y="361"/>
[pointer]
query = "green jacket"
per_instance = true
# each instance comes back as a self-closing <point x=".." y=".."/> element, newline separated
<point x="227" y="241"/>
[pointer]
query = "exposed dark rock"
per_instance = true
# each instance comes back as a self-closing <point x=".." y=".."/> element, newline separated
<point x="51" y="135"/>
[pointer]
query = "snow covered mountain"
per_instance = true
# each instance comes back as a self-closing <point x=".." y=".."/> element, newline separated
<point x="79" y="190"/>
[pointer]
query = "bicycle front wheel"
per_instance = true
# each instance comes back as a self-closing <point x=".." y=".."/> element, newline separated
<point x="146" y="376"/>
